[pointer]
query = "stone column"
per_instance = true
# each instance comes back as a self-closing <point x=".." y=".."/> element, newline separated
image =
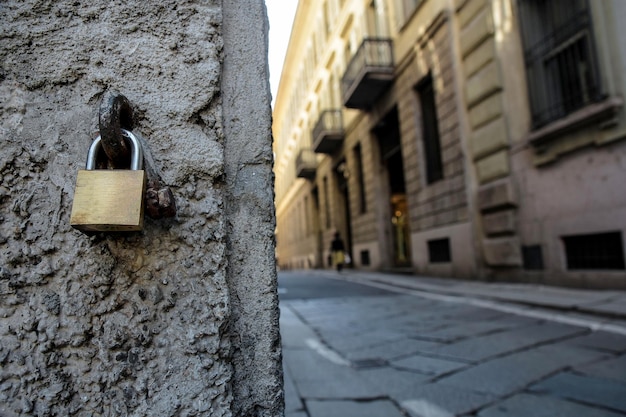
<point x="181" y="318"/>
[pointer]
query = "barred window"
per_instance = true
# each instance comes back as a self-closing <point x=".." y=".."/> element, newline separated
<point x="559" y="52"/>
<point x="595" y="251"/>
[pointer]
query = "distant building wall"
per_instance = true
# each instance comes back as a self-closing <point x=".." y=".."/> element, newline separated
<point x="494" y="159"/>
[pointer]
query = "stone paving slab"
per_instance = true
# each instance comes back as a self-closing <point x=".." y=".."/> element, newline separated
<point x="508" y="374"/>
<point x="390" y="350"/>
<point x="294" y="333"/>
<point x="406" y="324"/>
<point x="379" y="408"/>
<point x="317" y="378"/>
<point x="396" y="383"/>
<point x="609" y="342"/>
<point x="482" y="347"/>
<point x="466" y="329"/>
<point x="613" y="368"/>
<point x="293" y="403"/>
<point x="429" y="366"/>
<point x="585" y="389"/>
<point x="407" y="386"/>
<point x="364" y="340"/>
<point x="296" y="414"/>
<point x="526" y="405"/>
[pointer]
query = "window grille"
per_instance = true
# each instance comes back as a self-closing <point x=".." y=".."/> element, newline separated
<point x="595" y="251"/>
<point x="559" y="52"/>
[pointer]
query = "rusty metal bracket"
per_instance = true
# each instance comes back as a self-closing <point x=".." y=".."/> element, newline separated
<point x="160" y="202"/>
<point x="114" y="114"/>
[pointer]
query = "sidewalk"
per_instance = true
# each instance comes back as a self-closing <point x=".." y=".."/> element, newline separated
<point x="607" y="304"/>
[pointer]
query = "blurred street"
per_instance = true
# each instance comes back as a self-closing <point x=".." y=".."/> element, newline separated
<point x="360" y="344"/>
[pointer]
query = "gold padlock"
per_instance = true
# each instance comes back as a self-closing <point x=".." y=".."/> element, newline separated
<point x="110" y="200"/>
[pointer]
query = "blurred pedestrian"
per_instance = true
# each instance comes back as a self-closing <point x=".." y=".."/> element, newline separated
<point x="337" y="250"/>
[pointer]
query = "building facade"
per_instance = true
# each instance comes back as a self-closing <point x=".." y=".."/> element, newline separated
<point x="480" y="139"/>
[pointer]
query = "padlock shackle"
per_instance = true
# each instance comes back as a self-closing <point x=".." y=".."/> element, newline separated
<point x="136" y="154"/>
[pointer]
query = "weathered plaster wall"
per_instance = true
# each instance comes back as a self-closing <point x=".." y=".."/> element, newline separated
<point x="135" y="324"/>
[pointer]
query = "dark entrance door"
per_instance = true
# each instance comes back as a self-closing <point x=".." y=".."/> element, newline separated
<point x="342" y="174"/>
<point x="388" y="134"/>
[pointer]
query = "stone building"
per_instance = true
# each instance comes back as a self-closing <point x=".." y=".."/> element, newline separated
<point x="480" y="139"/>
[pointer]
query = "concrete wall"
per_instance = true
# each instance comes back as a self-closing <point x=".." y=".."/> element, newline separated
<point x="180" y="319"/>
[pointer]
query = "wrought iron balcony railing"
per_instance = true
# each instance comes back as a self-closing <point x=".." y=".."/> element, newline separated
<point x="328" y="133"/>
<point x="369" y="73"/>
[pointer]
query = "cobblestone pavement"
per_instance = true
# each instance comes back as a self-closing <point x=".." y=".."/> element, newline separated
<point x="423" y="354"/>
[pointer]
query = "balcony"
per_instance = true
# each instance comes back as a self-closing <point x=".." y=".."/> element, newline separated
<point x="328" y="132"/>
<point x="306" y="164"/>
<point x="369" y="74"/>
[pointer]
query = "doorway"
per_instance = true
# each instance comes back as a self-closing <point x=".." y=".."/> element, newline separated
<point x="345" y="227"/>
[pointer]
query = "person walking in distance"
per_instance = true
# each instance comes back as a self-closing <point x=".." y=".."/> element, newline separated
<point x="337" y="250"/>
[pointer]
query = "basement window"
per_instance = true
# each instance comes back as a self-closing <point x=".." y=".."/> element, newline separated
<point x="365" y="257"/>
<point x="439" y="251"/>
<point x="595" y="251"/>
<point x="533" y="257"/>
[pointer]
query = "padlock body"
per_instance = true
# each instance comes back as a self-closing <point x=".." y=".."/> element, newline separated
<point x="108" y="200"/>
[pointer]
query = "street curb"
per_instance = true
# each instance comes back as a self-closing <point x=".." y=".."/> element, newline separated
<point x="598" y="300"/>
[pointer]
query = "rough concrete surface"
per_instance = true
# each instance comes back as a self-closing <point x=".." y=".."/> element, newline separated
<point x="127" y="324"/>
<point x="257" y="380"/>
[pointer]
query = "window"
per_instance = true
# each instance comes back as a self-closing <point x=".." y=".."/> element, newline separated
<point x="439" y="251"/>
<point x="405" y="10"/>
<point x="365" y="257"/>
<point x="560" y="57"/>
<point x="595" y="251"/>
<point x="326" y="202"/>
<point x="532" y="257"/>
<point x="430" y="130"/>
<point x="358" y="163"/>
